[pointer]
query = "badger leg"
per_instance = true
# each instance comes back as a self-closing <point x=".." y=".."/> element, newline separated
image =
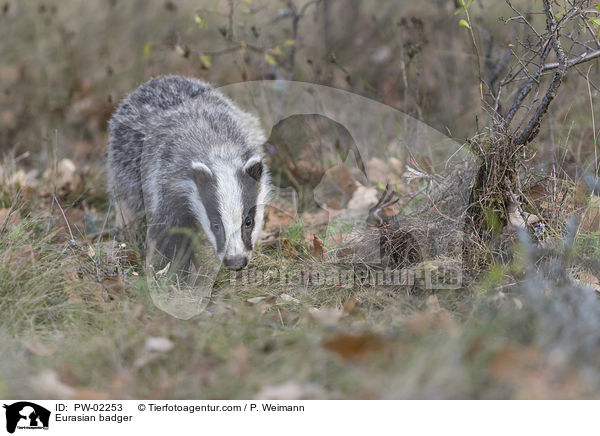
<point x="172" y="244"/>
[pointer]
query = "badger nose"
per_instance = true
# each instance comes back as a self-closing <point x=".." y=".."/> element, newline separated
<point x="235" y="262"/>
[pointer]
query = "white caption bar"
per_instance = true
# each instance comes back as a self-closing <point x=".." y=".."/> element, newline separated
<point x="151" y="417"/>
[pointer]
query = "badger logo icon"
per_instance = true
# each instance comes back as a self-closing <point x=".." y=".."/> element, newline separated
<point x="26" y="415"/>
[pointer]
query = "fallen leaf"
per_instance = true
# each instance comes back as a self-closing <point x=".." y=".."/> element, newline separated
<point x="158" y="344"/>
<point x="289" y="250"/>
<point x="163" y="271"/>
<point x="354" y="346"/>
<point x="517" y="219"/>
<point x="154" y="348"/>
<point x="263" y="299"/>
<point x="319" y="249"/>
<point x="285" y="298"/>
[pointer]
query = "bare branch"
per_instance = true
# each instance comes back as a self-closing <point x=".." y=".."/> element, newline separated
<point x="526" y="89"/>
<point x="584" y="57"/>
<point x="532" y="128"/>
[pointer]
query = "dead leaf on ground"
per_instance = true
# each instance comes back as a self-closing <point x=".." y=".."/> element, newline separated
<point x="154" y="348"/>
<point x="354" y="346"/>
<point x="289" y="250"/>
<point x="163" y="271"/>
<point x="285" y="298"/>
<point x="262" y="299"/>
<point x="521" y="220"/>
<point x="318" y="250"/>
<point x="158" y="344"/>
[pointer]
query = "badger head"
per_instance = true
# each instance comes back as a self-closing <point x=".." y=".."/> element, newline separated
<point x="232" y="198"/>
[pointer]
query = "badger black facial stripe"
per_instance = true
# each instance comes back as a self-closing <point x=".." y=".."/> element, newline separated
<point x="207" y="190"/>
<point x="254" y="169"/>
<point x="250" y="189"/>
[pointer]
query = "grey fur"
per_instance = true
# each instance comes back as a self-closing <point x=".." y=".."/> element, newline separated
<point x="156" y="135"/>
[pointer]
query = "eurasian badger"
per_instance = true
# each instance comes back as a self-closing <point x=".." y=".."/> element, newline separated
<point x="182" y="154"/>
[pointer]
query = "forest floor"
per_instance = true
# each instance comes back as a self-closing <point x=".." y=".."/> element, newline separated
<point x="78" y="321"/>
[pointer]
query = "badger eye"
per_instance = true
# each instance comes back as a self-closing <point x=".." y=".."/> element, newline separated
<point x="216" y="225"/>
<point x="248" y="222"/>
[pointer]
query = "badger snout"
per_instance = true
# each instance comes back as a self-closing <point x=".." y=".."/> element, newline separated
<point x="235" y="262"/>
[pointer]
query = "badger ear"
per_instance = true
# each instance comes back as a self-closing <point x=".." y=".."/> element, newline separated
<point x="201" y="170"/>
<point x="254" y="168"/>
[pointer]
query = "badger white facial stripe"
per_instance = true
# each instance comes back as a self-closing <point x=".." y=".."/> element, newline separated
<point x="230" y="199"/>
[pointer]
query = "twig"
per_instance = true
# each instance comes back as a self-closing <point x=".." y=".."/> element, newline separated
<point x="105" y="221"/>
<point x="525" y="89"/>
<point x="65" y="218"/>
<point x="584" y="57"/>
<point x="532" y="128"/>
<point x="11" y="210"/>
